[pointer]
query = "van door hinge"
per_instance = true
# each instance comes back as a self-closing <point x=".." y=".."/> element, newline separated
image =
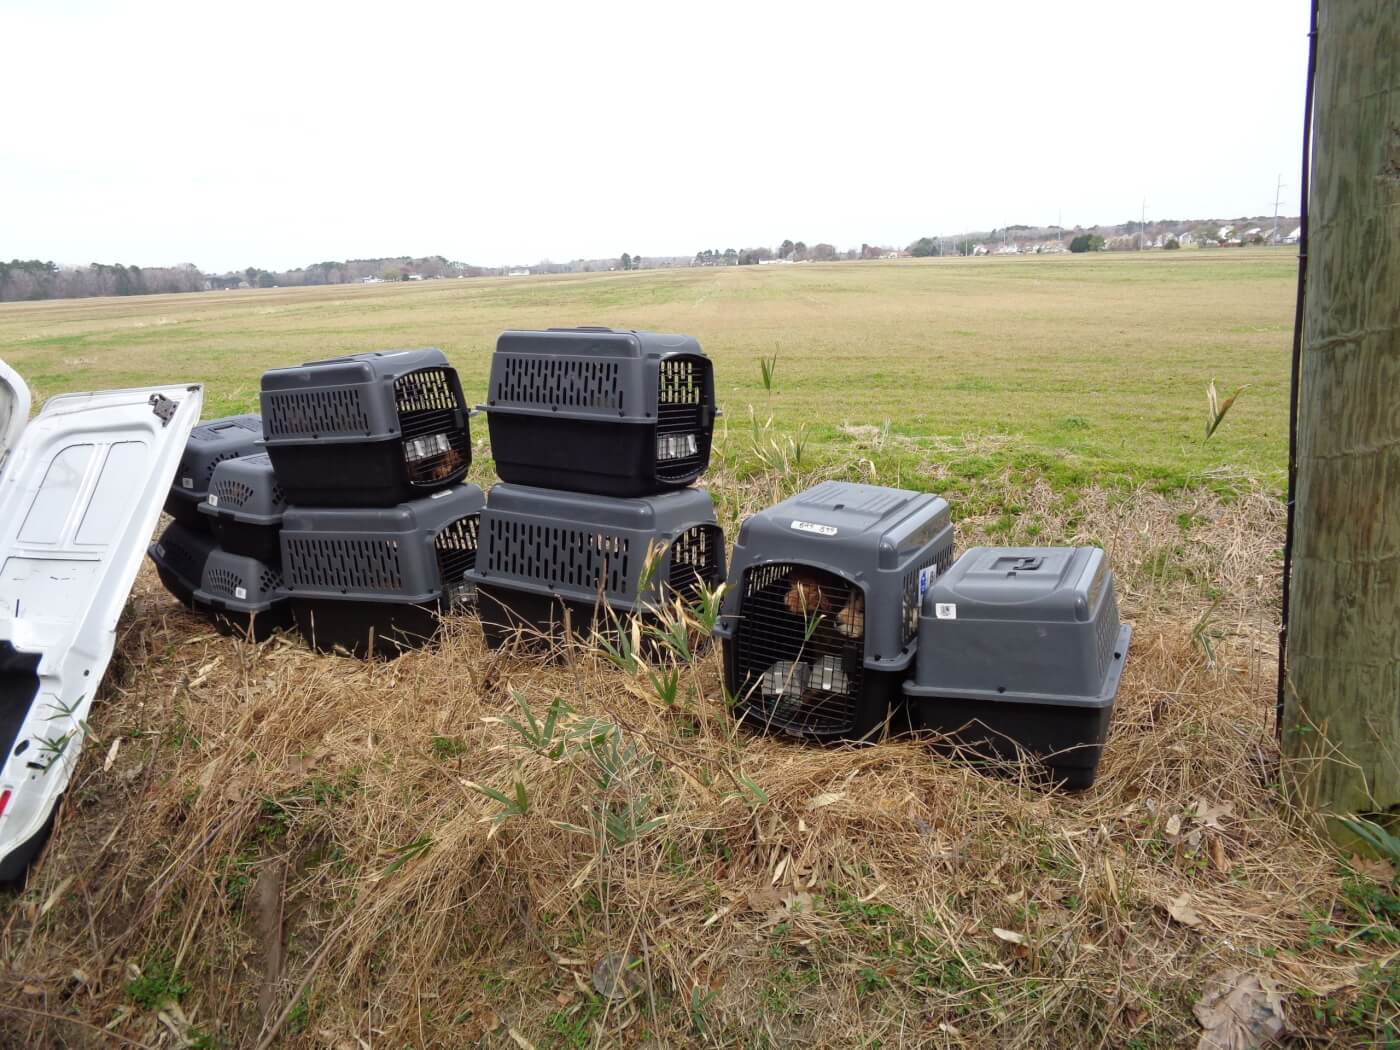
<point x="164" y="408"/>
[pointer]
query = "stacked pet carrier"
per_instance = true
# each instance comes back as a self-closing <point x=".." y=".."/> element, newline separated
<point x="845" y="613"/>
<point x="219" y="555"/>
<point x="597" y="435"/>
<point x="341" y="510"/>
<point x="379" y="531"/>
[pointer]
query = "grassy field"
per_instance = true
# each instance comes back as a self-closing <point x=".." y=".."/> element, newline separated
<point x="265" y="847"/>
<point x="1086" y="367"/>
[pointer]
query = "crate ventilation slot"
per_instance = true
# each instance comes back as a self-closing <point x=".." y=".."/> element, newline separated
<point x="559" y="556"/>
<point x="560" y="381"/>
<point x="352" y="565"/>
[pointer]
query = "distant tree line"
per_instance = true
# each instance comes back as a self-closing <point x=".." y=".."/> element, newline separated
<point x="788" y="251"/>
<point x="23" y="279"/>
<point x="27" y="279"/>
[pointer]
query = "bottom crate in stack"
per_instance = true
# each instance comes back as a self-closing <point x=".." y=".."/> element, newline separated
<point x="179" y="556"/>
<point x="1020" y="653"/>
<point x="238" y="594"/>
<point x="820" y="619"/>
<point x="375" y="581"/>
<point x="547" y="554"/>
<point x="241" y="595"/>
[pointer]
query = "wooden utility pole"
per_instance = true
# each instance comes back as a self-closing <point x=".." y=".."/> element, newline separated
<point x="1341" y="725"/>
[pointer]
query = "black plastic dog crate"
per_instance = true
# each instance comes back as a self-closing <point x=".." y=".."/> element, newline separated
<point x="600" y="411"/>
<point x="372" y="430"/>
<point x="1021" y="652"/>
<point x="374" y="581"/>
<point x="209" y="445"/>
<point x="244" y="507"/>
<point x="179" y="556"/>
<point x="242" y="596"/>
<point x="601" y="558"/>
<point x="820" y="620"/>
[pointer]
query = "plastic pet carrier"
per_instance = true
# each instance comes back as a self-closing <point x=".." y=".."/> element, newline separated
<point x="209" y="445"/>
<point x="1021" y="651"/>
<point x="821" y="616"/>
<point x="244" y="507"/>
<point x="179" y="556"/>
<point x="241" y="595"/>
<point x="372" y="430"/>
<point x="544" y="552"/>
<point x="373" y="581"/>
<point x="602" y="411"/>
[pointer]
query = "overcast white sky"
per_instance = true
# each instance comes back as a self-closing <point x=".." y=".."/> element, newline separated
<point x="280" y="134"/>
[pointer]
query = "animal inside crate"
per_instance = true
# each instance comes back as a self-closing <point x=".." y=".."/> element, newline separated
<point x="615" y="413"/>
<point x="375" y="581"/>
<point x="821" y="613"/>
<point x="372" y="430"/>
<point x="545" y="553"/>
<point x="1021" y="652"/>
<point x="244" y="507"/>
<point x="180" y="555"/>
<point x="242" y="596"/>
<point x="210" y="444"/>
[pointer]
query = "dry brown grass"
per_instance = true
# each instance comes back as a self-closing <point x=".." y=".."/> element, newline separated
<point x="791" y="896"/>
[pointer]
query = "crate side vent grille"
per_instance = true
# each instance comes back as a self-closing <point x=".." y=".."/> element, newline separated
<point x="344" y="564"/>
<point x="231" y="493"/>
<point x="184" y="561"/>
<point x="562" y="381"/>
<point x="559" y="556"/>
<point x="290" y="413"/>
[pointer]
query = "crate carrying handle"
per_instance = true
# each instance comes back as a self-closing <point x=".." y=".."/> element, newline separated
<point x="1028" y="564"/>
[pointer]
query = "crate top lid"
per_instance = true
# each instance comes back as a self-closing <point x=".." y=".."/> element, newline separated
<point x="596" y="342"/>
<point x="854" y="517"/>
<point x="661" y="513"/>
<point x="353" y="370"/>
<point x="420" y="516"/>
<point x="228" y="430"/>
<point x="245" y="489"/>
<point x="1022" y="583"/>
<point x="258" y="463"/>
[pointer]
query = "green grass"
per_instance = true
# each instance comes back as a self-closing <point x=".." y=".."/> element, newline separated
<point x="1071" y="368"/>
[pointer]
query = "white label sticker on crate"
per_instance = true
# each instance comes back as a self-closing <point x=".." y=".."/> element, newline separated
<point x="812" y="526"/>
<point x="926" y="578"/>
<point x="241" y="593"/>
<point x="187" y="483"/>
<point x="945" y="611"/>
<point x="213" y="500"/>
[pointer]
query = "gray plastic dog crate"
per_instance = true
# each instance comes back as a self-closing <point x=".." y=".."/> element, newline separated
<point x="544" y="552"/>
<point x="821" y="616"/>
<point x="1021" y="651"/>
<point x="372" y="430"/>
<point x="244" y="507"/>
<point x="374" y="581"/>
<point x="179" y="556"/>
<point x="209" y="445"/>
<point x="242" y="596"/>
<point x="594" y="410"/>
